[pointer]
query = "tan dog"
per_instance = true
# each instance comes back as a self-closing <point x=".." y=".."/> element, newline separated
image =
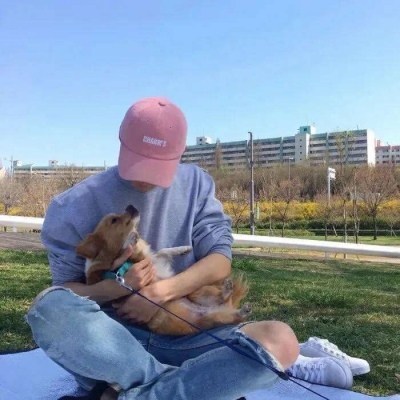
<point x="207" y="307"/>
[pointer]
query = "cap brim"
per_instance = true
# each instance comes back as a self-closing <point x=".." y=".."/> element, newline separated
<point x="135" y="167"/>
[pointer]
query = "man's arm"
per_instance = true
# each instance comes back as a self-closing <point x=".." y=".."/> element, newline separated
<point x="101" y="292"/>
<point x="210" y="269"/>
<point x="140" y="274"/>
<point x="211" y="241"/>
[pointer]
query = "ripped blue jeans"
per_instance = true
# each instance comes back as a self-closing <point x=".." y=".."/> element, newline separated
<point x="93" y="344"/>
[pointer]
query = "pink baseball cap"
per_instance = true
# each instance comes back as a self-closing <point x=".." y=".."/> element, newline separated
<point x="153" y="139"/>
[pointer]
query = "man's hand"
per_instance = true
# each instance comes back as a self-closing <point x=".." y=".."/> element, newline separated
<point x="137" y="310"/>
<point x="139" y="274"/>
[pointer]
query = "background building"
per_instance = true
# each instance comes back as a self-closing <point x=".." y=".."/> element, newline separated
<point x="387" y="154"/>
<point x="53" y="169"/>
<point x="215" y="155"/>
<point x="356" y="147"/>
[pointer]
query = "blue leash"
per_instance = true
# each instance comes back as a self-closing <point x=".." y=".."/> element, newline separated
<point x="281" y="374"/>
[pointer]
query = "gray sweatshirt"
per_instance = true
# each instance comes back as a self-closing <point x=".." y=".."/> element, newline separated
<point x="186" y="213"/>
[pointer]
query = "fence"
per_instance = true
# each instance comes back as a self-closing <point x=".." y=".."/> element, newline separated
<point x="317" y="245"/>
<point x="16" y="222"/>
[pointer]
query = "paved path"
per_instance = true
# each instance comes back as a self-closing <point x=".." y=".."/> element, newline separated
<point x="20" y="241"/>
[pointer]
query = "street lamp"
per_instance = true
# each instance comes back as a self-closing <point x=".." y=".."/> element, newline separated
<point x="252" y="223"/>
<point x="289" y="159"/>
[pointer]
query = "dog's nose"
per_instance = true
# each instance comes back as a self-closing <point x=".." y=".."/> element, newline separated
<point x="132" y="211"/>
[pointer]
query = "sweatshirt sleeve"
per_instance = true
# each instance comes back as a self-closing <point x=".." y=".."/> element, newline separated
<point x="212" y="228"/>
<point x="60" y="238"/>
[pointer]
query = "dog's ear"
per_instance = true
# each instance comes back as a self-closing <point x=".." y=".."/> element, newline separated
<point x="90" y="246"/>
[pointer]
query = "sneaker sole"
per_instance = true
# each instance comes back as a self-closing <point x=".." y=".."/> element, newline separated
<point x="360" y="370"/>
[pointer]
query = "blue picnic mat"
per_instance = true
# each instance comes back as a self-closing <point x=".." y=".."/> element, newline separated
<point x="32" y="375"/>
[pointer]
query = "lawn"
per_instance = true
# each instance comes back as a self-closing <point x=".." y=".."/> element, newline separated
<point x="355" y="305"/>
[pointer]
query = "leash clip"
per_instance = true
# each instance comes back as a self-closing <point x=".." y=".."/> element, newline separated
<point x="121" y="281"/>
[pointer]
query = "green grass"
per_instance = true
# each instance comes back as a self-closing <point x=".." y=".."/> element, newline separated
<point x="23" y="274"/>
<point x="355" y="305"/>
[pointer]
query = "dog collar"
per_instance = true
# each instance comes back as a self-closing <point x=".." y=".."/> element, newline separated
<point x="121" y="271"/>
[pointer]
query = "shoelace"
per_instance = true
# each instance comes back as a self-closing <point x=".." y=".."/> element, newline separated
<point x="331" y="348"/>
<point x="311" y="372"/>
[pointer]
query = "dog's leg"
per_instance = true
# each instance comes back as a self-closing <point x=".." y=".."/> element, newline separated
<point x="224" y="317"/>
<point x="246" y="310"/>
<point x="162" y="260"/>
<point x="167" y="324"/>
<point x="213" y="295"/>
<point x="227" y="288"/>
<point x="174" y="251"/>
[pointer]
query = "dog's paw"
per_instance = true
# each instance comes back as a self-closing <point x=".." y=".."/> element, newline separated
<point x="227" y="288"/>
<point x="186" y="249"/>
<point x="246" y="310"/>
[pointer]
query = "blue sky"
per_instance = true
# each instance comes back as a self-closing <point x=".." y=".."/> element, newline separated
<point x="69" y="70"/>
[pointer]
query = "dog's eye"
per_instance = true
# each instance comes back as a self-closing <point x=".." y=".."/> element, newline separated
<point x="114" y="220"/>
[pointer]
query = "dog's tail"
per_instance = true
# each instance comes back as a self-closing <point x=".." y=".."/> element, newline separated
<point x="240" y="289"/>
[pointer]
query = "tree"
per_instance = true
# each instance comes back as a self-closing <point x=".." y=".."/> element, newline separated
<point x="354" y="197"/>
<point x="325" y="211"/>
<point x="257" y="154"/>
<point x="37" y="194"/>
<point x="70" y="176"/>
<point x="344" y="185"/>
<point x="236" y="205"/>
<point x="286" y="191"/>
<point x="313" y="180"/>
<point x="377" y="185"/>
<point x="10" y="194"/>
<point x="391" y="213"/>
<point x="266" y="182"/>
<point x="218" y="154"/>
<point x="344" y="142"/>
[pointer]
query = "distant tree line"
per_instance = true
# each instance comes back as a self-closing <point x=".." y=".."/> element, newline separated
<point x="361" y="194"/>
<point x="286" y="196"/>
<point x="30" y="195"/>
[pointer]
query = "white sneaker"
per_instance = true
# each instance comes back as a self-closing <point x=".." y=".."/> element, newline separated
<point x="323" y="371"/>
<point x="316" y="347"/>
